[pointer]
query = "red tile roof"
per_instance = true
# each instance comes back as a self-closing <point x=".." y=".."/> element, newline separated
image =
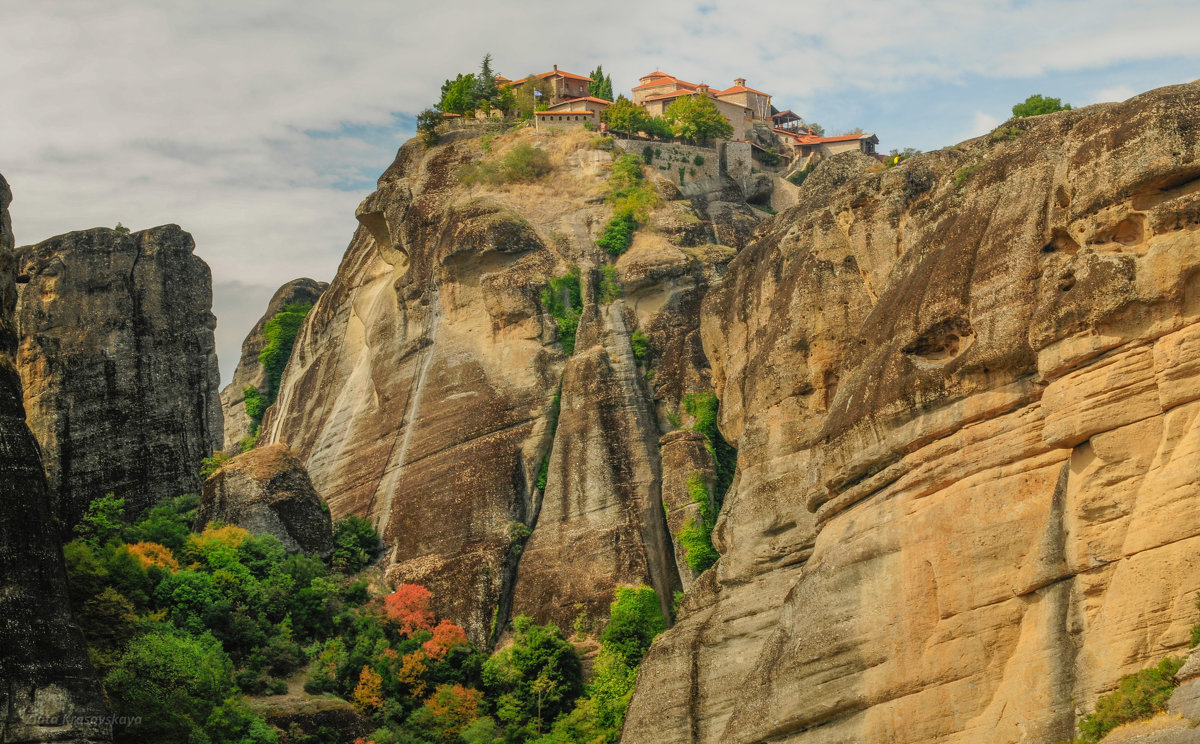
<point x="563" y="113"/>
<point x="808" y="139"/>
<point x="581" y="98"/>
<point x="560" y="73"/>
<point x="739" y="89"/>
<point x="665" y="80"/>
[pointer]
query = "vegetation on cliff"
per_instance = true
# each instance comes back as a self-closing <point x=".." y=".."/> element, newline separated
<point x="1038" y="104"/>
<point x="1139" y="695"/>
<point x="280" y="332"/>
<point x="563" y="299"/>
<point x="632" y="197"/>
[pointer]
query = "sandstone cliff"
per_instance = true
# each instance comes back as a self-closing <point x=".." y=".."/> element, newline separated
<point x="118" y="364"/>
<point x="249" y="369"/>
<point x="966" y="397"/>
<point x="424" y="386"/>
<point x="267" y="491"/>
<point x="48" y="689"/>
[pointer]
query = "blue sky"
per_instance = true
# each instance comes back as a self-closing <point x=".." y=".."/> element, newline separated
<point x="259" y="125"/>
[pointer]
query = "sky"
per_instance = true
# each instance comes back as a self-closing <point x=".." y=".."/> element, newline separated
<point x="259" y="125"/>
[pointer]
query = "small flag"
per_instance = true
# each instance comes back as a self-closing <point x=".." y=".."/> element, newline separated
<point x="537" y="94"/>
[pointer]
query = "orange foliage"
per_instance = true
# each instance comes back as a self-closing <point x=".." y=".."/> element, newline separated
<point x="412" y="667"/>
<point x="445" y="636"/>
<point x="153" y="554"/>
<point x="369" y="694"/>
<point x="408" y="607"/>
<point x="454" y="707"/>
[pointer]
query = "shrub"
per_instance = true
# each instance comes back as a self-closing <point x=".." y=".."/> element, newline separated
<point x="770" y="157"/>
<point x="698" y="160"/>
<point x="1138" y="696"/>
<point x="648" y="154"/>
<point x="280" y="333"/>
<point x="610" y="283"/>
<point x="640" y="343"/>
<point x="536" y="678"/>
<point x="601" y="143"/>
<point x="427" y="123"/>
<point x="103" y="521"/>
<point x="798" y="177"/>
<point x="523" y="163"/>
<point x="355" y="544"/>
<point x="256" y="405"/>
<point x="408" y="608"/>
<point x="696" y="535"/>
<point x="704" y="407"/>
<point x="1037" y="104"/>
<point x="618" y="234"/>
<point x="635" y="620"/>
<point x="562" y="298"/>
<point x="962" y="174"/>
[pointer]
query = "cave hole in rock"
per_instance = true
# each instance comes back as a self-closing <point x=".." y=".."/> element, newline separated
<point x="1061" y="242"/>
<point x="1166" y="188"/>
<point x="944" y="341"/>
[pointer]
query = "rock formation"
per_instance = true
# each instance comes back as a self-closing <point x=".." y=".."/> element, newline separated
<point x="965" y="393"/>
<point x="48" y="689"/>
<point x="421" y="389"/>
<point x="118" y="365"/>
<point x="267" y="491"/>
<point x="249" y="370"/>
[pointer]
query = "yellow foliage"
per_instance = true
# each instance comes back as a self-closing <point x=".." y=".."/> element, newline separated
<point x="216" y="536"/>
<point x="369" y="694"/>
<point x="153" y="554"/>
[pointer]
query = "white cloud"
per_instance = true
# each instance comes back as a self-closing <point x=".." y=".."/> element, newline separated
<point x="1113" y="93"/>
<point x="199" y="111"/>
<point x="981" y="123"/>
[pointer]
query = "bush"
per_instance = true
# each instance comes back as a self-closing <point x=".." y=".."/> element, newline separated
<point x="640" y="343"/>
<point x="280" y="333"/>
<point x="648" y="154"/>
<point x="562" y="298"/>
<point x="610" y="283"/>
<point x="618" y="234"/>
<point x="523" y="163"/>
<point x="427" y="124"/>
<point x="704" y="407"/>
<point x="533" y="680"/>
<point x="1037" y="104"/>
<point x="103" y="521"/>
<point x="798" y="177"/>
<point x="1138" y="696"/>
<point x="601" y="143"/>
<point x="770" y="157"/>
<point x="698" y="160"/>
<point x="635" y="620"/>
<point x="355" y="544"/>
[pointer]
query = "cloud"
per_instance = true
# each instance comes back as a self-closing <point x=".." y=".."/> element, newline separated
<point x="981" y="123"/>
<point x="1113" y="93"/>
<point x="258" y="125"/>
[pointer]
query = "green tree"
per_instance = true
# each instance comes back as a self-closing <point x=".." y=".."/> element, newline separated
<point x="1038" y="104"/>
<point x="624" y="116"/>
<point x="458" y="95"/>
<point x="172" y="683"/>
<point x="601" y="85"/>
<point x="103" y="521"/>
<point x="355" y="543"/>
<point x="696" y="119"/>
<point x="427" y="124"/>
<point x="485" y="82"/>
<point x="635" y="620"/>
<point x="540" y="670"/>
<point x="815" y="128"/>
<point x="526" y="102"/>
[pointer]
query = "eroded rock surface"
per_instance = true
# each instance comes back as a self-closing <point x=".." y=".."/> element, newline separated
<point x="48" y="688"/>
<point x="118" y="364"/>
<point x="268" y="491"/>
<point x="966" y="397"/>
<point x="249" y="370"/>
<point x="421" y="387"/>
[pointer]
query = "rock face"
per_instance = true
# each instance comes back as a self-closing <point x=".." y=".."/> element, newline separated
<point x="267" y="491"/>
<point x="421" y="388"/>
<point x="48" y="689"/>
<point x="249" y="370"/>
<point x="966" y="397"/>
<point x="118" y="365"/>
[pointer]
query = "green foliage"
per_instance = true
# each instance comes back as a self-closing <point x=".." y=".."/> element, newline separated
<point x="172" y="683"/>
<point x="256" y="404"/>
<point x="167" y="523"/>
<point x="624" y="117"/>
<point x="896" y="157"/>
<point x="121" y="229"/>
<point x="696" y="535"/>
<point x="1005" y="134"/>
<point x="617" y="235"/>
<point x="563" y="299"/>
<point x="355" y="543"/>
<point x="246" y="443"/>
<point x="798" y="177"/>
<point x="641" y="344"/>
<point x="522" y="164"/>
<point x="962" y="174"/>
<point x="485" y="89"/>
<point x="601" y="85"/>
<point x="610" y="283"/>
<point x="103" y="520"/>
<point x="280" y="333"/>
<point x="770" y="157"/>
<point x="458" y="95"/>
<point x="697" y="119"/>
<point x="601" y="143"/>
<point x="1038" y="104"/>
<point x="704" y="407"/>
<point x="635" y="620"/>
<point x="525" y="100"/>
<point x="427" y="124"/>
<point x="1138" y="696"/>
<point x="533" y="680"/>
<point x="815" y="128"/>
<point x="658" y="128"/>
<point x="210" y="465"/>
<point x="648" y="154"/>
<point x="698" y="160"/>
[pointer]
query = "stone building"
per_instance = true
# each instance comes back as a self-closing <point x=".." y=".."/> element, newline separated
<point x="563" y="85"/>
<point x="577" y="112"/>
<point x="802" y="144"/>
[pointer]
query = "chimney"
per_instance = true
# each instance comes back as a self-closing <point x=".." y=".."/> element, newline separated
<point x="556" y="68"/>
<point x="739" y="81"/>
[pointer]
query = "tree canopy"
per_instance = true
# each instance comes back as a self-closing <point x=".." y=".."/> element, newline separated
<point x="601" y="85"/>
<point x="697" y="119"/>
<point x="1038" y="104"/>
<point x="624" y="116"/>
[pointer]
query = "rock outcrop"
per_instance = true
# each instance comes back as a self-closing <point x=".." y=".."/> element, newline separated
<point x="249" y="369"/>
<point x="421" y="389"/>
<point x="965" y="393"/>
<point x="118" y="364"/>
<point x="48" y="688"/>
<point x="268" y="491"/>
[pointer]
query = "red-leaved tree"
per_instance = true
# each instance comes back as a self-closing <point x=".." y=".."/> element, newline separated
<point x="408" y="607"/>
<point x="446" y="636"/>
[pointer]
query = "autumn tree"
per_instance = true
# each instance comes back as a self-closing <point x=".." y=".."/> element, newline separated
<point x="368" y="695"/>
<point x="697" y="119"/>
<point x="408" y="607"/>
<point x="446" y="636"/>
